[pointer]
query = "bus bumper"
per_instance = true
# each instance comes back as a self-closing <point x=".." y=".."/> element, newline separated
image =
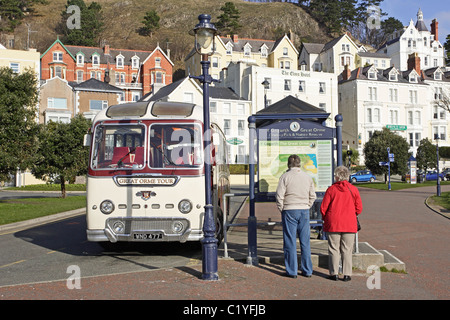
<point x="145" y="230"/>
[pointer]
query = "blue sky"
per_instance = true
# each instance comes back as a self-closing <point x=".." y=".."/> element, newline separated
<point x="432" y="9"/>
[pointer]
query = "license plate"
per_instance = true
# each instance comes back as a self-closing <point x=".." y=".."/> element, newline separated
<point x="148" y="236"/>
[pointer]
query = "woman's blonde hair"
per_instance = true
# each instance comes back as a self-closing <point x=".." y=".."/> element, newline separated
<point x="341" y="173"/>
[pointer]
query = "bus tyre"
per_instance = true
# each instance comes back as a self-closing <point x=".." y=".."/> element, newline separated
<point x="219" y="227"/>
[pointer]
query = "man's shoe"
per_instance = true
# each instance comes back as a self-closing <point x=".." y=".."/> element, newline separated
<point x="334" y="277"/>
<point x="305" y="275"/>
<point x="293" y="276"/>
<point x="347" y="278"/>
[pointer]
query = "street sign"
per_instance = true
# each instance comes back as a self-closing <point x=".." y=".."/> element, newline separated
<point x="382" y="163"/>
<point x="396" y="127"/>
<point x="391" y="157"/>
<point x="235" y="141"/>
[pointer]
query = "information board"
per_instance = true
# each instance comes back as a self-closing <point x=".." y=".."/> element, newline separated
<point x="310" y="141"/>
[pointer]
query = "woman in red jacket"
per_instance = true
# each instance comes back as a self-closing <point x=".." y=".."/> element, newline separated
<point x="340" y="206"/>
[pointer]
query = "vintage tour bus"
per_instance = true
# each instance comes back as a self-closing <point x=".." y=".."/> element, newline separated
<point x="146" y="175"/>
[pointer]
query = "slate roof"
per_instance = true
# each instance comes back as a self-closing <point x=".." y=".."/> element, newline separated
<point x="291" y="104"/>
<point x="108" y="58"/>
<point x="223" y="93"/>
<point x="361" y="73"/>
<point x="94" y="85"/>
<point x="255" y="44"/>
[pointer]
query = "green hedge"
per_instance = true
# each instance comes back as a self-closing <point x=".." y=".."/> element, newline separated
<point x="240" y="169"/>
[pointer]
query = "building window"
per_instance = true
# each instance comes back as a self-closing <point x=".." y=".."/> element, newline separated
<point x="229" y="49"/>
<point x="57" y="103"/>
<point x="285" y="51"/>
<point x="57" y="56"/>
<point x="264" y="52"/>
<point x="410" y="117"/>
<point x="215" y="62"/>
<point x="119" y="62"/>
<point x="321" y="87"/>
<point x="158" y="62"/>
<point x="135" y="63"/>
<point x="372" y="75"/>
<point x="417" y="118"/>
<point x="95" y="60"/>
<point x="213" y="106"/>
<point x="15" y="67"/>
<point x="247" y="50"/>
<point x="58" y="72"/>
<point x="435" y="62"/>
<point x="372" y="93"/>
<point x="97" y="104"/>
<point x="393" y="116"/>
<point x="158" y="77"/>
<point x="301" y="86"/>
<point x="393" y="95"/>
<point x="80" y="59"/>
<point x="240" y="108"/>
<point x="438" y="113"/>
<point x="135" y="96"/>
<point x="227" y="126"/>
<point x="439" y="132"/>
<point x="287" y="85"/>
<point x="287" y="65"/>
<point x="226" y="108"/>
<point x="413" y="96"/>
<point x="80" y="76"/>
<point x="188" y="97"/>
<point x="437" y="76"/>
<point x="241" y="127"/>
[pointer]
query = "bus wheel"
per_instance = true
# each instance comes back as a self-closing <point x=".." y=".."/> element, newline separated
<point x="219" y="227"/>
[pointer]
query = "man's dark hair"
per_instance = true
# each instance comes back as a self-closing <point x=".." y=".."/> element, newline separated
<point x="293" y="161"/>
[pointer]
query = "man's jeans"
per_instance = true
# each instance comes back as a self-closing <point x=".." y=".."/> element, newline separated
<point x="296" y="222"/>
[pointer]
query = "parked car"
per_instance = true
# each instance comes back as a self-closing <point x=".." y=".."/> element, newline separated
<point x="432" y="175"/>
<point x="446" y="173"/>
<point x="362" y="175"/>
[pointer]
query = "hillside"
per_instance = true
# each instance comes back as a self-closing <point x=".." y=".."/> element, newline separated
<point x="123" y="19"/>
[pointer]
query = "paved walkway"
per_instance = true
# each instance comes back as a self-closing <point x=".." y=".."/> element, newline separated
<point x="398" y="221"/>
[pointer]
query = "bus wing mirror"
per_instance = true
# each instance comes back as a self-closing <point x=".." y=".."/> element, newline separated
<point x="87" y="140"/>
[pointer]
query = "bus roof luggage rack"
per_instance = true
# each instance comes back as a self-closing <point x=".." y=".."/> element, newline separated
<point x="162" y="108"/>
<point x="136" y="109"/>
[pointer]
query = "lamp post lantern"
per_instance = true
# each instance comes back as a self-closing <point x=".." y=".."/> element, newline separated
<point x="205" y="33"/>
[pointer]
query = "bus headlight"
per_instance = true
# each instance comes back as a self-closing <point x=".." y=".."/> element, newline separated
<point x="177" y="227"/>
<point x="185" y="206"/>
<point x="107" y="207"/>
<point x="118" y="227"/>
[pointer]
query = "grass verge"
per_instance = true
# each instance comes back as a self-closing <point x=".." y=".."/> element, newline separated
<point x="15" y="210"/>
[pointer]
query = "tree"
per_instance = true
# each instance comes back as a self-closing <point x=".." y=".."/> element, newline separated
<point x="91" y="24"/>
<point x="375" y="151"/>
<point x="60" y="153"/>
<point x="447" y="49"/>
<point x="443" y="101"/>
<point x="426" y="155"/>
<point x="151" y="23"/>
<point x="228" y="21"/>
<point x="12" y="12"/>
<point x="18" y="100"/>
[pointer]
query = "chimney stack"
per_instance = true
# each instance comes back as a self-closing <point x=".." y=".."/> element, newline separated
<point x="106" y="49"/>
<point x="434" y="29"/>
<point x="346" y="74"/>
<point x="414" y="62"/>
<point x="235" y="38"/>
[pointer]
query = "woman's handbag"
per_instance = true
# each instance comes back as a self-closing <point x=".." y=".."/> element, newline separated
<point x="357" y="220"/>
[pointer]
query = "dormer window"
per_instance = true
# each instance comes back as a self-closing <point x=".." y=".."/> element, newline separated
<point x="229" y="48"/>
<point x="392" y="76"/>
<point x="412" y="78"/>
<point x="247" y="50"/>
<point x="80" y="58"/>
<point x="135" y="62"/>
<point x="372" y="75"/>
<point x="437" y="76"/>
<point x="264" y="51"/>
<point x="95" y="59"/>
<point x="119" y="61"/>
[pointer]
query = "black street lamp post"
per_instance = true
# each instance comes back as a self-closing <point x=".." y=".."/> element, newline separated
<point x="205" y="33"/>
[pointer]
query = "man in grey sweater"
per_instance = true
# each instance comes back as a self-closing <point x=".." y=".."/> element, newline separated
<point x="294" y="197"/>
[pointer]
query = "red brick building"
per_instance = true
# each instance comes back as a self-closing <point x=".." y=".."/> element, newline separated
<point x="136" y="72"/>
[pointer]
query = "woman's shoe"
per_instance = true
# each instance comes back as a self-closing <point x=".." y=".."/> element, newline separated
<point x="334" y="277"/>
<point x="347" y="278"/>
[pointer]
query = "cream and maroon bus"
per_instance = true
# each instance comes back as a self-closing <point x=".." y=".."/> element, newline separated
<point x="146" y="175"/>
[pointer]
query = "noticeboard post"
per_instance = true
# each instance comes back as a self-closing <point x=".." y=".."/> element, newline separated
<point x="273" y="138"/>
